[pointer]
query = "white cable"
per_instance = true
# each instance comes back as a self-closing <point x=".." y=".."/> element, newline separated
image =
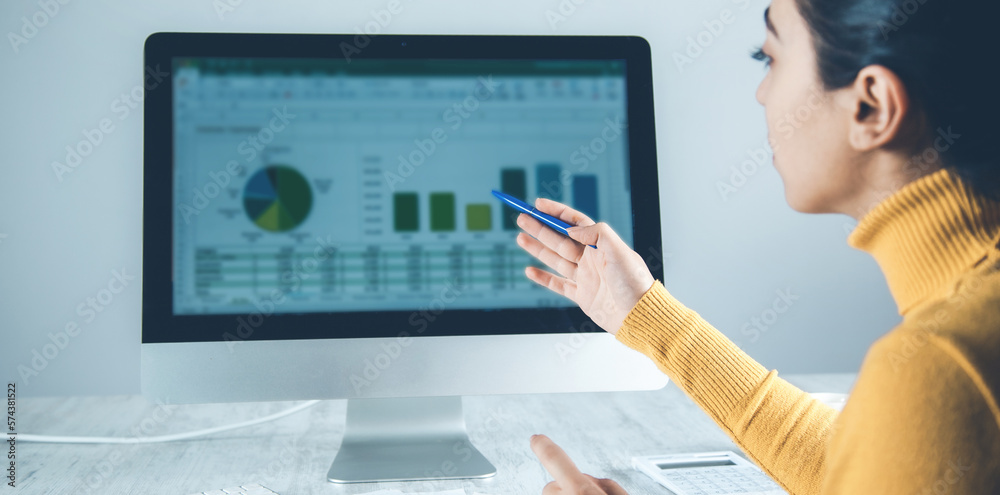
<point x="26" y="437"/>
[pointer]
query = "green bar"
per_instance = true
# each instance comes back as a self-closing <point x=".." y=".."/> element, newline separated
<point x="478" y="218"/>
<point x="442" y="212"/>
<point x="404" y="207"/>
<point x="513" y="182"/>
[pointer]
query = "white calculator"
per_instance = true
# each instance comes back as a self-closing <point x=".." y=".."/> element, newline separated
<point x="707" y="473"/>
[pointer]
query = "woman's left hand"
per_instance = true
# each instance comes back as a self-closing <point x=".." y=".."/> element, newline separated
<point x="568" y="479"/>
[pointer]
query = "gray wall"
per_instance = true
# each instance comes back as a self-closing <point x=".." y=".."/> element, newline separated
<point x="64" y="239"/>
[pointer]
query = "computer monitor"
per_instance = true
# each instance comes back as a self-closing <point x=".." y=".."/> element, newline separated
<point x="318" y="224"/>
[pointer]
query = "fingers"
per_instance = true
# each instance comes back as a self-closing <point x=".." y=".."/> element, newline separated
<point x="560" y="244"/>
<point x="562" y="212"/>
<point x="598" y="234"/>
<point x="535" y="248"/>
<point x="559" y="285"/>
<point x="610" y="487"/>
<point x="557" y="463"/>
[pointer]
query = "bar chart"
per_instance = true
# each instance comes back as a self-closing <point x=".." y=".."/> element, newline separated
<point x="550" y="182"/>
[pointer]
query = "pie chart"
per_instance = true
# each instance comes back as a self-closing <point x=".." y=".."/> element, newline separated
<point x="277" y="198"/>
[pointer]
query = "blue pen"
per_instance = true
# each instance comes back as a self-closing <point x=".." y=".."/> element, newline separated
<point x="549" y="220"/>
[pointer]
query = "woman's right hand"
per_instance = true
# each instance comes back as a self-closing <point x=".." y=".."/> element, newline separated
<point x="605" y="282"/>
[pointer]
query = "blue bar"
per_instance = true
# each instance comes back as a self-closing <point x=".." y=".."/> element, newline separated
<point x="585" y="195"/>
<point x="549" y="184"/>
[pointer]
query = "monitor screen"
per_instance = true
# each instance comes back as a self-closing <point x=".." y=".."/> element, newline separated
<point x="321" y="196"/>
<point x="365" y="185"/>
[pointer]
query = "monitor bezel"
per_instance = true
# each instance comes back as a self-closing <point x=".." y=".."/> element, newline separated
<point x="160" y="325"/>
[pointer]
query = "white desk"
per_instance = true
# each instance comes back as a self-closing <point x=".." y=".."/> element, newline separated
<point x="601" y="431"/>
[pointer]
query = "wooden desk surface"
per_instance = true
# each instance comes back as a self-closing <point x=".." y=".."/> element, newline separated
<point x="601" y="431"/>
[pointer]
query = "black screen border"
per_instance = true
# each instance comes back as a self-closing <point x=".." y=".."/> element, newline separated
<point x="160" y="325"/>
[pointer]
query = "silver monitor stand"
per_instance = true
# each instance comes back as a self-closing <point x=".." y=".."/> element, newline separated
<point x="407" y="439"/>
<point x="408" y="425"/>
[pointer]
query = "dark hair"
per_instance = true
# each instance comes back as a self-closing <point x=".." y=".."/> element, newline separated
<point x="945" y="53"/>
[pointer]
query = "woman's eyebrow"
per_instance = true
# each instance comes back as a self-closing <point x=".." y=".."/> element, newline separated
<point x="769" y="24"/>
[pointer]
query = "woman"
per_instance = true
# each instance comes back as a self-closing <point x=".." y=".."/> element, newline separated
<point x="904" y="112"/>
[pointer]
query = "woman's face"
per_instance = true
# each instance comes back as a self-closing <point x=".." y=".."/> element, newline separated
<point x="806" y="129"/>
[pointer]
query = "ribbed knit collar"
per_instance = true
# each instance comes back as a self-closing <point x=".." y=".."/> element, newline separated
<point x="927" y="234"/>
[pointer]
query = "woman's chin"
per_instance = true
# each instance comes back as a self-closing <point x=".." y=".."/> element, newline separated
<point x="803" y="203"/>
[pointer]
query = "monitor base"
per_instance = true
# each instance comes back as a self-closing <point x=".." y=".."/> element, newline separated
<point x="407" y="439"/>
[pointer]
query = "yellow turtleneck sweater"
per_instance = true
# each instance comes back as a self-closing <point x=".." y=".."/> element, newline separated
<point x="923" y="415"/>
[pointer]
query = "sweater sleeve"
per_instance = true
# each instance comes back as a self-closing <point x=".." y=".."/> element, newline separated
<point x="781" y="428"/>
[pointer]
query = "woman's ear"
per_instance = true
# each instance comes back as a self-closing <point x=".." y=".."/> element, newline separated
<point x="878" y="106"/>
